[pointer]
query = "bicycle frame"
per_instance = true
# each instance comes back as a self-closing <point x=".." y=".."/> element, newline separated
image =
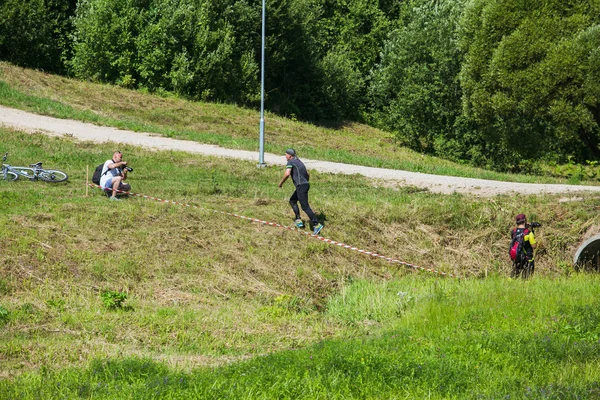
<point x="33" y="172"/>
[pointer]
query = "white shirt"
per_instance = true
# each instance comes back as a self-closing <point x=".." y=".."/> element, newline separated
<point x="108" y="173"/>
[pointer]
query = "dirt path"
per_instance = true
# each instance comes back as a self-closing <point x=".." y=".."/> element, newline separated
<point x="29" y="122"/>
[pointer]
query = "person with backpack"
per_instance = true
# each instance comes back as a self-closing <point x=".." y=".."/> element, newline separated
<point x="114" y="172"/>
<point x="521" y="248"/>
<point x="296" y="169"/>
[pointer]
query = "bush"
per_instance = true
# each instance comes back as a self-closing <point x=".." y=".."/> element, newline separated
<point x="113" y="300"/>
<point x="35" y="33"/>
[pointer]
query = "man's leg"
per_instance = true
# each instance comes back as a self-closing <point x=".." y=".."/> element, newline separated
<point x="302" y="191"/>
<point x="294" y="204"/>
<point x="116" y="181"/>
<point x="516" y="271"/>
<point x="107" y="187"/>
<point x="528" y="270"/>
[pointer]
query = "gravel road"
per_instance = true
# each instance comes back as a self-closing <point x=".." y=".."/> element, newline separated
<point x="30" y="122"/>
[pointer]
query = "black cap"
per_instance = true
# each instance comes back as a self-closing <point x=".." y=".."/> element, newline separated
<point x="291" y="152"/>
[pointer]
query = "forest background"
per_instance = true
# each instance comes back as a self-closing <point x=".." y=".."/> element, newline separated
<point x="503" y="84"/>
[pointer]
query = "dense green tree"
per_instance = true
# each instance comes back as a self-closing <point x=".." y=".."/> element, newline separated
<point x="357" y="28"/>
<point x="105" y="40"/>
<point x="35" y="33"/>
<point x="190" y="47"/>
<point x="352" y="34"/>
<point x="415" y="88"/>
<point x="343" y="86"/>
<point x="318" y="52"/>
<point x="530" y="77"/>
<point x="292" y="76"/>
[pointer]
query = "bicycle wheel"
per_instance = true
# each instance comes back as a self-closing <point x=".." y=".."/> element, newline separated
<point x="10" y="176"/>
<point x="52" y="175"/>
<point x="25" y="172"/>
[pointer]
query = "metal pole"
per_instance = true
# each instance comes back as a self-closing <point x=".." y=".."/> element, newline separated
<point x="261" y="151"/>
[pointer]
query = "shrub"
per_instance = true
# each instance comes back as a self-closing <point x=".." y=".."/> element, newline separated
<point x="113" y="300"/>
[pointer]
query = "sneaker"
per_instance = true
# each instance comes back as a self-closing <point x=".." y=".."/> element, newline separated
<point x="317" y="229"/>
<point x="114" y="198"/>
<point x="299" y="224"/>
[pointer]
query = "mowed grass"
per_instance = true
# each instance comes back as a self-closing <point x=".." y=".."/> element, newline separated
<point x="222" y="124"/>
<point x="218" y="306"/>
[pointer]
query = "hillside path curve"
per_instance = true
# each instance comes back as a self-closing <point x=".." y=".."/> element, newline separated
<point x="30" y="122"/>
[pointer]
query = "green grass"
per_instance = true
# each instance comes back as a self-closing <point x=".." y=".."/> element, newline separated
<point x="224" y="125"/>
<point x="213" y="306"/>
<point x="453" y="340"/>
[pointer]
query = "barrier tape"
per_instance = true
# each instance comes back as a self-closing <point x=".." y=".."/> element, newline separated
<point x="321" y="238"/>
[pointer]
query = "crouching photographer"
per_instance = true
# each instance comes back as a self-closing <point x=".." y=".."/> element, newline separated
<point x="114" y="173"/>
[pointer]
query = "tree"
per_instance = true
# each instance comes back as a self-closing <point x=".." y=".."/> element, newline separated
<point x="35" y="33"/>
<point x="352" y="34"/>
<point x="318" y="52"/>
<point x="190" y="47"/>
<point x="415" y="88"/>
<point x="343" y="86"/>
<point x="105" y="40"/>
<point x="530" y="77"/>
<point x="293" y="80"/>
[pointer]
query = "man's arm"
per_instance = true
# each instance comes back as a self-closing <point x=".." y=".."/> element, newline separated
<point x="117" y="164"/>
<point x="286" y="174"/>
<point x="531" y="239"/>
<point x="120" y="165"/>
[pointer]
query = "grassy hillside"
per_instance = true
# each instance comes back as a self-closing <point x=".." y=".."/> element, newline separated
<point x="218" y="306"/>
<point x="476" y="340"/>
<point x="225" y="125"/>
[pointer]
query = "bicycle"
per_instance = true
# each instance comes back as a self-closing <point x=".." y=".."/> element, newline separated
<point x="33" y="172"/>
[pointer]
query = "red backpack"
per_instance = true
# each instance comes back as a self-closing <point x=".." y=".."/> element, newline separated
<point x="516" y="250"/>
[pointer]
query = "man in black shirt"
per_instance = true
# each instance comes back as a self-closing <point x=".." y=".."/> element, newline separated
<point x="296" y="169"/>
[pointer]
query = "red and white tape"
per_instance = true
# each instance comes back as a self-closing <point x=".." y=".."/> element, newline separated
<point x="321" y="238"/>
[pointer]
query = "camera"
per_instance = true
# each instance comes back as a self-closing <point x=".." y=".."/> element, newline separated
<point x="128" y="169"/>
<point x="533" y="225"/>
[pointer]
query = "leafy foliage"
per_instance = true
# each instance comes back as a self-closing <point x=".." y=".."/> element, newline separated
<point x="35" y="33"/>
<point x="343" y="86"/>
<point x="104" y="44"/>
<point x="188" y="47"/>
<point x="527" y="76"/>
<point x="318" y="53"/>
<point x="113" y="300"/>
<point x="352" y="34"/>
<point x="415" y="87"/>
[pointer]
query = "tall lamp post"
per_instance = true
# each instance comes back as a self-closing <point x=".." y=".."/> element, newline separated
<point x="261" y="151"/>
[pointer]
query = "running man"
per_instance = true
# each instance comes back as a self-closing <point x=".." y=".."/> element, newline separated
<point x="296" y="169"/>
